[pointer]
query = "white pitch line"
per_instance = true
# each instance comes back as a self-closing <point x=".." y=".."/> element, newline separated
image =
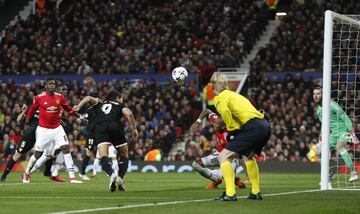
<point x="75" y="197"/>
<point x="172" y="202"/>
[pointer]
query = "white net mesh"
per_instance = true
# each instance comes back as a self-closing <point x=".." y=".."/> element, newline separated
<point x="345" y="91"/>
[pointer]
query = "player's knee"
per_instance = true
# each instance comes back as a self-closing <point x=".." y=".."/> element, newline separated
<point x="16" y="156"/>
<point x="65" y="149"/>
<point x="37" y="154"/>
<point x="197" y="165"/>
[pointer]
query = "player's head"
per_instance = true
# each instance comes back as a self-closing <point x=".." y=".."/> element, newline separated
<point x="114" y="96"/>
<point x="317" y="94"/>
<point x="220" y="82"/>
<point x="50" y="85"/>
<point x="220" y="124"/>
<point x="63" y="89"/>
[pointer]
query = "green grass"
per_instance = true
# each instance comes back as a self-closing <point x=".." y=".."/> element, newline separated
<point x="43" y="196"/>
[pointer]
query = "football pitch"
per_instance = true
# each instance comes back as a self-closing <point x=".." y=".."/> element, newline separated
<point x="171" y="193"/>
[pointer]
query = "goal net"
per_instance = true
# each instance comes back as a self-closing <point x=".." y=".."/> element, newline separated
<point x="341" y="88"/>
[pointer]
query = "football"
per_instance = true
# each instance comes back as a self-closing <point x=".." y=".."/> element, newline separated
<point x="179" y="74"/>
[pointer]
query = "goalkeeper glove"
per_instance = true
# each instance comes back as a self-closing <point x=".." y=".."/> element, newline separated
<point x="351" y="138"/>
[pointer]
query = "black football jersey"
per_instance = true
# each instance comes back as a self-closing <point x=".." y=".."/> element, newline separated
<point x="108" y="111"/>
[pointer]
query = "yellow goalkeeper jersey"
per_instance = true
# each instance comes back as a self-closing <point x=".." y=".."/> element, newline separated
<point x="235" y="109"/>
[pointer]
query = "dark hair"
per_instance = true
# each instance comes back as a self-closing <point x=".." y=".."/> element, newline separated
<point x="48" y="80"/>
<point x="317" y="87"/>
<point x="113" y="95"/>
<point x="64" y="86"/>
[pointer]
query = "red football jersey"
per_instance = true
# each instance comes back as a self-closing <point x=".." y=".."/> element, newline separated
<point x="220" y="135"/>
<point x="50" y="107"/>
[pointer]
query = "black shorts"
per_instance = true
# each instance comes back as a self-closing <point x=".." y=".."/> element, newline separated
<point x="109" y="131"/>
<point x="90" y="141"/>
<point x="252" y="137"/>
<point x="27" y="140"/>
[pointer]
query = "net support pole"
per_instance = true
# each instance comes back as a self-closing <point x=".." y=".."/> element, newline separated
<point x="326" y="95"/>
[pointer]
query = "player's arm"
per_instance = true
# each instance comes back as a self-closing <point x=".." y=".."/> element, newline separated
<point x="342" y="116"/>
<point x="32" y="109"/>
<point x="202" y="115"/>
<point x="22" y="114"/>
<point x="88" y="99"/>
<point x="68" y="108"/>
<point x="130" y="117"/>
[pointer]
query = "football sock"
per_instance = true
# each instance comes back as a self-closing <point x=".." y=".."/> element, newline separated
<point x="206" y="173"/>
<point x="347" y="159"/>
<point x="39" y="163"/>
<point x="59" y="163"/>
<point x="30" y="165"/>
<point x="115" y="166"/>
<point x="8" y="168"/>
<point x="95" y="165"/>
<point x="84" y="164"/>
<point x="253" y="173"/>
<point x="69" y="163"/>
<point x="106" y="165"/>
<point x="123" y="166"/>
<point x="229" y="177"/>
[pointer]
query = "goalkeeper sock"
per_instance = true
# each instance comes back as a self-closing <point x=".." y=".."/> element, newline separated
<point x="123" y="166"/>
<point x="347" y="159"/>
<point x="229" y="177"/>
<point x="253" y="172"/>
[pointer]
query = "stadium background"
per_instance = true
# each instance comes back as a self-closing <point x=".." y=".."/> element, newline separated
<point x="95" y="46"/>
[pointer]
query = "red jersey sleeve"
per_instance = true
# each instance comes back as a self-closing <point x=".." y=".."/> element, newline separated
<point x="67" y="107"/>
<point x="32" y="108"/>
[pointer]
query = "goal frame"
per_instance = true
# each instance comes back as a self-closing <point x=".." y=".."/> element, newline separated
<point x="330" y="16"/>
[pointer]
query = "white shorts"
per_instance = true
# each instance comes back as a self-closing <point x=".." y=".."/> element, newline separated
<point x="112" y="152"/>
<point x="212" y="161"/>
<point x="50" y="138"/>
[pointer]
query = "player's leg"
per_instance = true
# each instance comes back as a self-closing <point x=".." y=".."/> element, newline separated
<point x="84" y="164"/>
<point x="27" y="143"/>
<point x="225" y="158"/>
<point x="10" y="164"/>
<point x="114" y="161"/>
<point x="341" y="149"/>
<point x="96" y="163"/>
<point x="58" y="164"/>
<point x="238" y="169"/>
<point x="123" y="152"/>
<point x="260" y="131"/>
<point x="201" y="165"/>
<point x="39" y="162"/>
<point x="253" y="172"/>
<point x="61" y="141"/>
<point x="43" y="141"/>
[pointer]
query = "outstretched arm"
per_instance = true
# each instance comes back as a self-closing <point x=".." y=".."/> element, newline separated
<point x="197" y="123"/>
<point x="88" y="99"/>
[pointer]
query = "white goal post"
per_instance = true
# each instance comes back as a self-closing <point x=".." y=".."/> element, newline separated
<point x="342" y="32"/>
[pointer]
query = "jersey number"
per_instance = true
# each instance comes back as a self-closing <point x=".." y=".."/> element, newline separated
<point x="106" y="108"/>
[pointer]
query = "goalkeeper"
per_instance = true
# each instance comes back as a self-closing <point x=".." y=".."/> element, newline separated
<point x="341" y="131"/>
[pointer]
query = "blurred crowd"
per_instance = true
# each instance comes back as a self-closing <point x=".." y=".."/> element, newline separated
<point x="297" y="44"/>
<point x="106" y="37"/>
